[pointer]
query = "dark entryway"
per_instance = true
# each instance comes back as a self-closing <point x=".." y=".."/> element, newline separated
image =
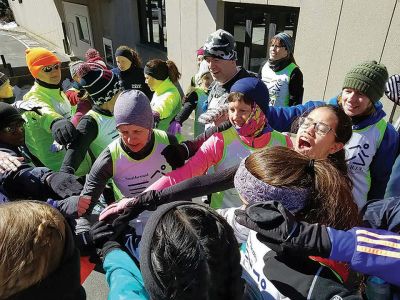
<point x="254" y="25"/>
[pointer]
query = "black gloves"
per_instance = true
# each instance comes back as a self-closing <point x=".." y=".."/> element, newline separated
<point x="72" y="207"/>
<point x="64" y="132"/>
<point x="145" y="201"/>
<point x="104" y="236"/>
<point x="64" y="185"/>
<point x="176" y="155"/>
<point x="279" y="230"/>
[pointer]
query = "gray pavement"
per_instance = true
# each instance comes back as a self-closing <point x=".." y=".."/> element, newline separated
<point x="14" y="43"/>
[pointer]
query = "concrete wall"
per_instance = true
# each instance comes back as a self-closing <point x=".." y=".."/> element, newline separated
<point x="333" y="36"/>
<point x="41" y="18"/>
<point x="189" y="22"/>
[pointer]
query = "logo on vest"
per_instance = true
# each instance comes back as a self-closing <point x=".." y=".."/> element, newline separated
<point x="358" y="160"/>
<point x="274" y="91"/>
<point x="163" y="167"/>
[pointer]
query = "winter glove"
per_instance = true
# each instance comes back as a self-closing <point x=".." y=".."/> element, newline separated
<point x="66" y="85"/>
<point x="176" y="155"/>
<point x="174" y="128"/>
<point x="392" y="88"/>
<point x="73" y="207"/>
<point x="64" y="185"/>
<point x="72" y="96"/>
<point x="214" y="115"/>
<point x="108" y="247"/>
<point x="131" y="207"/>
<point x="278" y="229"/>
<point x="23" y="106"/>
<point x="63" y="131"/>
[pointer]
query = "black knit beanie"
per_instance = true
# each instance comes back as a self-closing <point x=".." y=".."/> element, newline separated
<point x="159" y="71"/>
<point x="369" y="78"/>
<point x="8" y="114"/>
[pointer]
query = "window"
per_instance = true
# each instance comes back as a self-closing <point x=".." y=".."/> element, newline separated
<point x="108" y="51"/>
<point x="71" y="33"/>
<point x="83" y="29"/>
<point x="254" y="25"/>
<point x="152" y="23"/>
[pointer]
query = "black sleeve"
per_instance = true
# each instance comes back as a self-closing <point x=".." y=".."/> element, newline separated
<point x="87" y="132"/>
<point x="296" y="89"/>
<point x="199" y="186"/>
<point x="27" y="183"/>
<point x="189" y="105"/>
<point x="101" y="172"/>
<point x="195" y="144"/>
<point x="146" y="90"/>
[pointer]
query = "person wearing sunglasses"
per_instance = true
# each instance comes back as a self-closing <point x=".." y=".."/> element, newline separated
<point x="30" y="179"/>
<point x="53" y="123"/>
<point x="281" y="74"/>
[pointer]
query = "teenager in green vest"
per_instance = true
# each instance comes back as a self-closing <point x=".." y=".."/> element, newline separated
<point x="281" y="74"/>
<point x="96" y="130"/>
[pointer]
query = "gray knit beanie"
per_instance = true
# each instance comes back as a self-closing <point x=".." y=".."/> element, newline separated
<point x="133" y="107"/>
<point x="369" y="78"/>
<point x="286" y="40"/>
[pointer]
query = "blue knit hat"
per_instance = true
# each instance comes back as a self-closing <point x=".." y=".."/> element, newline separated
<point x="253" y="89"/>
<point x="133" y="107"/>
<point x="286" y="40"/>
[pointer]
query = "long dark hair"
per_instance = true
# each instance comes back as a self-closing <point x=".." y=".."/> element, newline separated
<point x="195" y="255"/>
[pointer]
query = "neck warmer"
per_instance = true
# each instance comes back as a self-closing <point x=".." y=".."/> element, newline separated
<point x="254" y="124"/>
<point x="280" y="64"/>
<point x="48" y="85"/>
<point x="255" y="190"/>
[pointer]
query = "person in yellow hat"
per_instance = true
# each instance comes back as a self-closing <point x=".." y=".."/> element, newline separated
<point x="6" y="91"/>
<point x="48" y="133"/>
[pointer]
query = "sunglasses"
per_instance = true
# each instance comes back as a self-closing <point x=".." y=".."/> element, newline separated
<point x="48" y="69"/>
<point x="14" y="127"/>
<point x="320" y="127"/>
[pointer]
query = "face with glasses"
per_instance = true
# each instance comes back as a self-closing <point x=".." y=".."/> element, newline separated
<point x="13" y="134"/>
<point x="50" y="74"/>
<point x="316" y="136"/>
<point x="277" y="50"/>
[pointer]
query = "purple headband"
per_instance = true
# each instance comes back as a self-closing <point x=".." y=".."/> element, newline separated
<point x="254" y="190"/>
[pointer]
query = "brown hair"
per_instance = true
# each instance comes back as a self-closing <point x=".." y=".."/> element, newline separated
<point x="32" y="236"/>
<point x="331" y="200"/>
<point x="173" y="72"/>
<point x="137" y="62"/>
<point x="236" y="96"/>
<point x="369" y="111"/>
<point x="279" y="42"/>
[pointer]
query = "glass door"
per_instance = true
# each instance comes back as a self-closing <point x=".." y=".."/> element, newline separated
<point x="253" y="26"/>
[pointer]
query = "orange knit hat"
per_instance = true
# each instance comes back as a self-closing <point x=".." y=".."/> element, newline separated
<point x="37" y="58"/>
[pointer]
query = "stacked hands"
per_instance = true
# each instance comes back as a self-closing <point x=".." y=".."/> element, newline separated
<point x="276" y="227"/>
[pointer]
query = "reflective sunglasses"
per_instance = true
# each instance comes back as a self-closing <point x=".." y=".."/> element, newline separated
<point x="48" y="69"/>
<point x="320" y="127"/>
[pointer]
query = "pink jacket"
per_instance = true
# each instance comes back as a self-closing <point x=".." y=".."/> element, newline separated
<point x="209" y="154"/>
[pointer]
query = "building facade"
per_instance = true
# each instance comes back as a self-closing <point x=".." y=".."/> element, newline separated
<point x="330" y="36"/>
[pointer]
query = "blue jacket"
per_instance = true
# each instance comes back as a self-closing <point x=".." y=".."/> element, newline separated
<point x="123" y="277"/>
<point x="369" y="251"/>
<point x="393" y="187"/>
<point x="281" y="118"/>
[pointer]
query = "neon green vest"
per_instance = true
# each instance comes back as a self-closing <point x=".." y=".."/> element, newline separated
<point x="130" y="176"/>
<point x="360" y="151"/>
<point x="107" y="132"/>
<point x="234" y="152"/>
